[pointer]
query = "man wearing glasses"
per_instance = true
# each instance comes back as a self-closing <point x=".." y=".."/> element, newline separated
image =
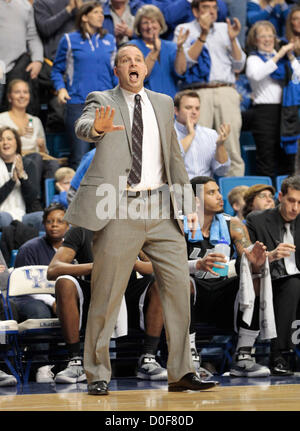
<point x="258" y="197"/>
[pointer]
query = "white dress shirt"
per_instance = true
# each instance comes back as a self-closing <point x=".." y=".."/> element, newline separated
<point x="153" y="173"/>
<point x="200" y="157"/>
<point x="223" y="65"/>
<point x="266" y="89"/>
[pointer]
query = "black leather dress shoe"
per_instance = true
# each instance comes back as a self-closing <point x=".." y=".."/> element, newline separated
<point x="99" y="387"/>
<point x="191" y="382"/>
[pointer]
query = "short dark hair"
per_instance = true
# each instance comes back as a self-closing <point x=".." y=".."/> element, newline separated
<point x="195" y="3"/>
<point x="200" y="180"/>
<point x="52" y="207"/>
<point x="16" y="135"/>
<point x="181" y="94"/>
<point x="292" y="182"/>
<point x="125" y="45"/>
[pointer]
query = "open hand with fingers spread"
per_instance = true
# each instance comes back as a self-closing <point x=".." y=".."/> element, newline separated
<point x="104" y="118"/>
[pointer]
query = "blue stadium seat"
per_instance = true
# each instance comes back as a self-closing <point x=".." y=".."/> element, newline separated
<point x="49" y="190"/>
<point x="57" y="144"/>
<point x="248" y="152"/>
<point x="279" y="180"/>
<point x="228" y="183"/>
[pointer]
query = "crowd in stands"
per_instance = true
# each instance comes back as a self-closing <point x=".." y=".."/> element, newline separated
<point x="230" y="66"/>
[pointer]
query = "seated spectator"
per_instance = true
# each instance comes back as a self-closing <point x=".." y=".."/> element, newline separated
<point x="258" y="198"/>
<point x="226" y="58"/>
<point x="63" y="178"/>
<point x="266" y="70"/>
<point x="87" y="52"/>
<point x="165" y="60"/>
<point x="274" y="11"/>
<point x="236" y="199"/>
<point x="203" y="149"/>
<point x="30" y="129"/>
<point x="39" y="251"/>
<point x="215" y="294"/>
<point x="73" y="297"/>
<point x="18" y="183"/>
<point x="279" y="229"/>
<point x="21" y="55"/>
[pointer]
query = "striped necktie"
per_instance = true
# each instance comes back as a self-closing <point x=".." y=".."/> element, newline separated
<point x="137" y="143"/>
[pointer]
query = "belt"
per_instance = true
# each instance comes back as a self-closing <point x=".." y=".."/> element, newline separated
<point x="199" y="85"/>
<point x="145" y="193"/>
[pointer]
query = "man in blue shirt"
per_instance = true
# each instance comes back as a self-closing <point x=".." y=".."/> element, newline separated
<point x="202" y="148"/>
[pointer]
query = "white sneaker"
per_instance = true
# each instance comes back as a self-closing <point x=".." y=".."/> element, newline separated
<point x="245" y="365"/>
<point x="202" y="372"/>
<point x="74" y="373"/>
<point x="44" y="374"/>
<point x="149" y="369"/>
<point x="7" y="379"/>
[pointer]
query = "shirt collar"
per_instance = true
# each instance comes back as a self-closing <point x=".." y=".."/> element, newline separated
<point x="181" y="127"/>
<point x="129" y="96"/>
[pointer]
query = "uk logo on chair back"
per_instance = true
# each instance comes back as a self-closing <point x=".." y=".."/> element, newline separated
<point x="29" y="280"/>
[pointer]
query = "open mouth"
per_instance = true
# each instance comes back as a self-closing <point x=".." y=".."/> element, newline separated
<point x="133" y="76"/>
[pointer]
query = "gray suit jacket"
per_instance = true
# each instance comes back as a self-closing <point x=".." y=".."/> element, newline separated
<point x="113" y="156"/>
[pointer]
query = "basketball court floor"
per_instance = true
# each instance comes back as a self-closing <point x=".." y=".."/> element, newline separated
<point x="132" y="395"/>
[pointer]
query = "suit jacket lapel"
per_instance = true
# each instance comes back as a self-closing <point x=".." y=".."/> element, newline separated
<point x="122" y="105"/>
<point x="273" y="223"/>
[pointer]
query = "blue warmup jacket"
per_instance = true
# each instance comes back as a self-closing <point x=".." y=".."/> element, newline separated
<point x="84" y="65"/>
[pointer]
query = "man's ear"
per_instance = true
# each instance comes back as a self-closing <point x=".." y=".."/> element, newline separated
<point x="280" y="196"/>
<point x="115" y="72"/>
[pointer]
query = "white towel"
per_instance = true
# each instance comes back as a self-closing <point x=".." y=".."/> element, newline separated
<point x="246" y="297"/>
<point x="121" y="327"/>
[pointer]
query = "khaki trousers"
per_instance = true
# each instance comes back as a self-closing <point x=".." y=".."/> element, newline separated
<point x="222" y="105"/>
<point x="115" y="251"/>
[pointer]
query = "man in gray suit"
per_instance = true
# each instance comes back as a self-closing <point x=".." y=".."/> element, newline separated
<point x="124" y="186"/>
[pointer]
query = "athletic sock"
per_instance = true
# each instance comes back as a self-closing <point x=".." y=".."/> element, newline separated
<point x="150" y="344"/>
<point x="74" y="349"/>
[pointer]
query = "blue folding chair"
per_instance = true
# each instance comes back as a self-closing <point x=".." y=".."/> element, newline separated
<point x="279" y="180"/>
<point x="228" y="183"/>
<point x="49" y="190"/>
<point x="30" y="280"/>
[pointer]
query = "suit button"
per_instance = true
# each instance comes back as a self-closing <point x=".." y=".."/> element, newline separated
<point x="127" y="171"/>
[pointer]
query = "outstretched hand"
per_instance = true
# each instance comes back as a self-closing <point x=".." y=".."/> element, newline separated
<point x="104" y="118"/>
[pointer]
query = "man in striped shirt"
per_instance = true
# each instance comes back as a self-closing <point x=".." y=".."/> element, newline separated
<point x="202" y="149"/>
